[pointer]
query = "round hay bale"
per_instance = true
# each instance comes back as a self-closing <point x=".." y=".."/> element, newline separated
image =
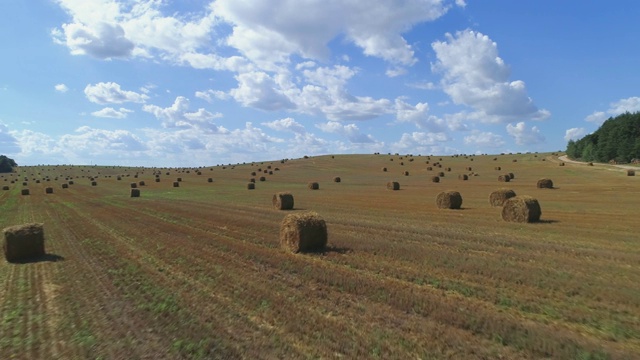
<point x="24" y="183"/>
<point x="435" y="179"/>
<point x="393" y="185"/>
<point x="590" y="163"/>
<point x="511" y="176"/>
<point x="119" y="178"/>
<point x="251" y="186"/>
<point x="303" y="232"/>
<point x="262" y="178"/>
<point x="135" y="192"/>
<point x="504" y="178"/>
<point x="210" y="180"/>
<point x="441" y="174"/>
<point x="142" y="183"/>
<point x="313" y="185"/>
<point x="469" y="168"/>
<point x="429" y="168"/>
<point x="23" y="242"/>
<point x="498" y="168"/>
<point x="522" y="208"/>
<point x="48" y="190"/>
<point x="65" y="186"/>
<point x="498" y="197"/>
<point x="384" y="169"/>
<point x="283" y="201"/>
<point x="631" y="172"/>
<point x="405" y="173"/>
<point x="463" y="177"/>
<point x="24" y="191"/>
<point x="337" y="179"/>
<point x="176" y="184"/>
<point x="515" y="160"/>
<point x="157" y="179"/>
<point x="544" y="184"/>
<point x="6" y="187"/>
<point x="449" y="200"/>
<point x="179" y="179"/>
<point x="253" y="180"/>
<point x="94" y="183"/>
<point x="133" y="185"/>
<point x="70" y="182"/>
<point x="448" y="169"/>
<point x="561" y="164"/>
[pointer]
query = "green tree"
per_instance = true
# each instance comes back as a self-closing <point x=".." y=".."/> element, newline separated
<point x="6" y="164"/>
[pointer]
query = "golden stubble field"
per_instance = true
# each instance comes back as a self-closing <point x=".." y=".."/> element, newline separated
<point x="197" y="272"/>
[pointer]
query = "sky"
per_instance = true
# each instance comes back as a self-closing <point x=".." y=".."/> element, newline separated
<point x="200" y="82"/>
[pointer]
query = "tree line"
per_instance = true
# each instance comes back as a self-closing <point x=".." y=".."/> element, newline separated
<point x="617" y="139"/>
<point x="6" y="164"/>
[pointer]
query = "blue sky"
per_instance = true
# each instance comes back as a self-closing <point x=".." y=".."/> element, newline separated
<point x="200" y="82"/>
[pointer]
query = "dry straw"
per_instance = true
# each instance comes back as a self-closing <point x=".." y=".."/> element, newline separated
<point x="135" y="192"/>
<point x="384" y="169"/>
<point x="176" y="184"/>
<point x="435" y="179"/>
<point x="498" y="168"/>
<point x="48" y="190"/>
<point x="313" y="185"/>
<point x="25" y="192"/>
<point x="6" y="187"/>
<point x="631" y="172"/>
<point x="303" y="232"/>
<point x="251" y="186"/>
<point x="463" y="177"/>
<point x="511" y="176"/>
<point x="561" y="164"/>
<point x="133" y="185"/>
<point x="545" y="184"/>
<point x="393" y="185"/>
<point x="449" y="200"/>
<point x="498" y="197"/>
<point x="23" y="242"/>
<point x="94" y="183"/>
<point x="504" y="178"/>
<point x="65" y="186"/>
<point x="210" y="180"/>
<point x="337" y="179"/>
<point x="283" y="201"/>
<point x="522" y="208"/>
<point x="405" y="173"/>
<point x="262" y="178"/>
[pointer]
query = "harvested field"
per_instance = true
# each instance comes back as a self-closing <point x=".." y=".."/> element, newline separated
<point x="199" y="272"/>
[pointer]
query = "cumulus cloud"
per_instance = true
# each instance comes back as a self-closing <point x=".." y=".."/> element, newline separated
<point x="350" y="131"/>
<point x="210" y="95"/>
<point x="259" y="90"/>
<point x="61" y="88"/>
<point x="475" y="76"/>
<point x="111" y="93"/>
<point x="484" y="139"/>
<point x="574" y="133"/>
<point x="421" y="143"/>
<point x="631" y="104"/>
<point x="8" y="142"/>
<point x="98" y="141"/>
<point x="110" y="112"/>
<point x="101" y="40"/>
<point x="524" y="135"/>
<point x="286" y="124"/>
<point x="178" y="116"/>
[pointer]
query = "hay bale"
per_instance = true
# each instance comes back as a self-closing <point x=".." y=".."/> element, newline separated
<point x="561" y="164"/>
<point x="463" y="177"/>
<point x="283" y="201"/>
<point x="142" y="183"/>
<point x="135" y="192"/>
<point x="303" y="232"/>
<point x="522" y="208"/>
<point x="157" y="179"/>
<point x="631" y="172"/>
<point x="94" y="183"/>
<point x="441" y="174"/>
<point x="70" y="182"/>
<point x="134" y="185"/>
<point x="48" y="190"/>
<point x="498" y="168"/>
<point x="590" y="163"/>
<point x="405" y="173"/>
<point x="6" y="187"/>
<point x="210" y="180"/>
<point x="251" y="186"/>
<point x="544" y="184"/>
<point x="22" y="242"/>
<point x="429" y="168"/>
<point x="435" y="179"/>
<point x="24" y="191"/>
<point x="65" y="186"/>
<point x="511" y="176"/>
<point x="179" y="179"/>
<point x="176" y="184"/>
<point x="504" y="178"/>
<point x="449" y="200"/>
<point x="262" y="178"/>
<point x="393" y="185"/>
<point x="337" y="179"/>
<point x="313" y="185"/>
<point x="384" y="169"/>
<point x="253" y="180"/>
<point x="469" y="168"/>
<point x="498" y="197"/>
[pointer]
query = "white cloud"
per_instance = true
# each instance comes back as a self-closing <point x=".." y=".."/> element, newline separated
<point x="631" y="104"/>
<point x="350" y="131"/>
<point x="420" y="143"/>
<point x="8" y="142"/>
<point x="210" y="95"/>
<point x="97" y="141"/>
<point x="524" y="136"/>
<point x="286" y="124"/>
<point x="269" y="34"/>
<point x="574" y="134"/>
<point x="177" y="116"/>
<point x="475" y="76"/>
<point x="461" y="3"/>
<point x="484" y="139"/>
<point x="111" y="93"/>
<point x="109" y="112"/>
<point x="102" y="40"/>
<point x="259" y="90"/>
<point x="61" y="88"/>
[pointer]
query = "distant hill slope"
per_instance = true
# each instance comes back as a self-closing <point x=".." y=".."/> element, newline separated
<point x="617" y="139"/>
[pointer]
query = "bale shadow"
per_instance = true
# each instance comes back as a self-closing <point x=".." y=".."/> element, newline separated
<point x="329" y="249"/>
<point x="546" y="221"/>
<point x="39" y="259"/>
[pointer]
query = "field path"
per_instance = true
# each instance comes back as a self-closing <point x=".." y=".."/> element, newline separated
<point x="565" y="158"/>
